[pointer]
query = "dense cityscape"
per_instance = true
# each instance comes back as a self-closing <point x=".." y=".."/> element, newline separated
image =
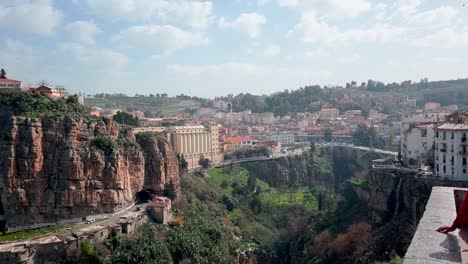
<point x="233" y="132"/>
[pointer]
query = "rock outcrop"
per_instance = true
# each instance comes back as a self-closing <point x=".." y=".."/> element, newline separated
<point x="162" y="166"/>
<point x="64" y="168"/>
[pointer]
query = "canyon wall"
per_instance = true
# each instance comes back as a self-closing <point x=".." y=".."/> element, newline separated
<point x="63" y="168"/>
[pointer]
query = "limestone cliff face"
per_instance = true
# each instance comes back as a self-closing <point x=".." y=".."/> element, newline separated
<point x="162" y="166"/>
<point x="284" y="171"/>
<point x="50" y="169"/>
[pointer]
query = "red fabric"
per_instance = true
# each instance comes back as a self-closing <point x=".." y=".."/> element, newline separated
<point x="462" y="216"/>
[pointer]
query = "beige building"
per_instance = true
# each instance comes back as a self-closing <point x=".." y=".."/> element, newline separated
<point x="196" y="141"/>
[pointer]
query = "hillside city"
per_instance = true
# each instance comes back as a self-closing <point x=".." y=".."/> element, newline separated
<point x="233" y="132"/>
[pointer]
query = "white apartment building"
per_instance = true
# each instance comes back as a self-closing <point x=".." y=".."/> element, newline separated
<point x="285" y="138"/>
<point x="222" y="105"/>
<point x="451" y="148"/>
<point x="417" y="143"/>
<point x="196" y="141"/>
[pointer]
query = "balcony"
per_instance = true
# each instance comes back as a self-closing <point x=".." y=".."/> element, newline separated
<point x="464" y="154"/>
<point x="430" y="246"/>
<point x="464" y="141"/>
<point x="443" y="150"/>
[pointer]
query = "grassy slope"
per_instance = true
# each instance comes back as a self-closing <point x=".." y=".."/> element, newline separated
<point x="167" y="106"/>
<point x="261" y="228"/>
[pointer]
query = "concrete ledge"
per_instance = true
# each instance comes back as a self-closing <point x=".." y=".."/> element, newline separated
<point x="428" y="245"/>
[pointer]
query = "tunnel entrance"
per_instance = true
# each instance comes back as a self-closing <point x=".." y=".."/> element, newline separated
<point x="144" y="196"/>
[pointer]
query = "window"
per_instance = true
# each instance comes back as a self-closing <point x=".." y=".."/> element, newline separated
<point x="437" y="167"/>
<point x="445" y="169"/>
<point x="453" y="135"/>
<point x="444" y="136"/>
<point x="437" y="134"/>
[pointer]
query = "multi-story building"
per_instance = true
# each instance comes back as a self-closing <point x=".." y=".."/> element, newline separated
<point x="267" y="118"/>
<point x="329" y="113"/>
<point x="9" y="84"/>
<point x="431" y="106"/>
<point x="451" y="148"/>
<point x="417" y="143"/>
<point x="222" y="105"/>
<point x="196" y="141"/>
<point x="234" y="144"/>
<point x="286" y="138"/>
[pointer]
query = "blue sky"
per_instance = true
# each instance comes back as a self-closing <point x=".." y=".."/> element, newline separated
<point x="212" y="48"/>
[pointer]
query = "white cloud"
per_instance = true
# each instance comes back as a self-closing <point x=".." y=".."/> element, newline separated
<point x="165" y="38"/>
<point x="353" y="58"/>
<point x="440" y="16"/>
<point x="262" y="2"/>
<point x="237" y="77"/>
<point x="33" y="16"/>
<point x="249" y="23"/>
<point x="348" y="8"/>
<point x="317" y="53"/>
<point x="196" y="14"/>
<point x="83" y="31"/>
<point x="313" y="30"/>
<point x="446" y="38"/>
<point x="288" y="3"/>
<point x="96" y="58"/>
<point x="272" y="51"/>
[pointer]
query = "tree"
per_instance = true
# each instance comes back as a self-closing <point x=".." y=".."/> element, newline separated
<point x="328" y="135"/>
<point x="251" y="182"/>
<point x="2" y="74"/>
<point x="367" y="137"/>
<point x="312" y="147"/>
<point x="183" y="164"/>
<point x="205" y="163"/>
<point x="125" y="118"/>
<point x="169" y="190"/>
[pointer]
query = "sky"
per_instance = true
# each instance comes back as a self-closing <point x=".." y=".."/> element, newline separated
<point x="218" y="47"/>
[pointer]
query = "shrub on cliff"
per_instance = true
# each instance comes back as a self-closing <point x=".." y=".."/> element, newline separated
<point x="104" y="144"/>
<point x="34" y="105"/>
<point x="125" y="118"/>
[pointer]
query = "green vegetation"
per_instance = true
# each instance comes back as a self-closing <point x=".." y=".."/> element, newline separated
<point x="31" y="233"/>
<point x="104" y="144"/>
<point x="33" y="105"/>
<point x="367" y="137"/>
<point x="125" y="118"/>
<point x="328" y="135"/>
<point x="281" y="103"/>
<point x="362" y="183"/>
<point x="205" y="163"/>
<point x="153" y="106"/>
<point x="169" y="190"/>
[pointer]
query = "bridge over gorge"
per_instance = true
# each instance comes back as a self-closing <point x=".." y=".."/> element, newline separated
<point x="363" y="155"/>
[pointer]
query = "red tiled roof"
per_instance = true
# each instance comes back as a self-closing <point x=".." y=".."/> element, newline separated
<point x="9" y="81"/>
<point x="235" y="140"/>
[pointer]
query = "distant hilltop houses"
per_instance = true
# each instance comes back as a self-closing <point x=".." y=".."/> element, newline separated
<point x="52" y="92"/>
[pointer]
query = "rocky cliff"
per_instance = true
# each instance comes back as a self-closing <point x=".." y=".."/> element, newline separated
<point x="161" y="164"/>
<point x="60" y="168"/>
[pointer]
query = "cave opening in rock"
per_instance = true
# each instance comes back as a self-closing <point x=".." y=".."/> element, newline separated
<point x="143" y="196"/>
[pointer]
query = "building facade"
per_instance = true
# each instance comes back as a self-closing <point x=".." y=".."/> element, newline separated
<point x="195" y="142"/>
<point x="9" y="84"/>
<point x="417" y="144"/>
<point x="451" y="148"/>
